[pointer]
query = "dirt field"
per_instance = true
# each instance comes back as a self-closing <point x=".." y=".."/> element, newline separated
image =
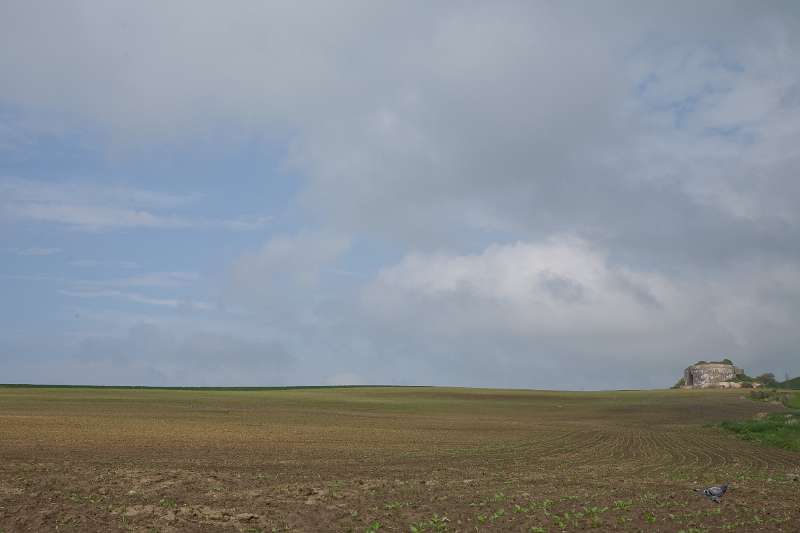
<point x="385" y="459"/>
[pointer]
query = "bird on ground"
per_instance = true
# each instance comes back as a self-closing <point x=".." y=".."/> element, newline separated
<point x="714" y="493"/>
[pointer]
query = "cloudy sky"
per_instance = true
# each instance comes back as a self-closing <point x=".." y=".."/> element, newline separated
<point x="514" y="194"/>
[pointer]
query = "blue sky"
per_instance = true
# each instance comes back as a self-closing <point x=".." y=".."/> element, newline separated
<point x="508" y="194"/>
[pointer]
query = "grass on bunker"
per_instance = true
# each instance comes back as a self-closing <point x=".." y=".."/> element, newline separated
<point x="385" y="459"/>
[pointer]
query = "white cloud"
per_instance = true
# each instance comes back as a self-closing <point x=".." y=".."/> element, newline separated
<point x="563" y="287"/>
<point x="544" y="314"/>
<point x="94" y="263"/>
<point x="90" y="207"/>
<point x="244" y="223"/>
<point x="40" y="192"/>
<point x="153" y="279"/>
<point x="285" y="261"/>
<point x="134" y="297"/>
<point x="34" y="251"/>
<point x="94" y="218"/>
<point x="157" y="281"/>
<point x="286" y="282"/>
<point x="723" y="124"/>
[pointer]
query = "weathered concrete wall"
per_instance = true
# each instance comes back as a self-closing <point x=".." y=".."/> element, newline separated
<point x="710" y="375"/>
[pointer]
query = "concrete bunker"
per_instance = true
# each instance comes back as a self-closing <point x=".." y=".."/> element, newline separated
<point x="716" y="374"/>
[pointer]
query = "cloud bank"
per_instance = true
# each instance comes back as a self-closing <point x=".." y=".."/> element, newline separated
<point x="512" y="194"/>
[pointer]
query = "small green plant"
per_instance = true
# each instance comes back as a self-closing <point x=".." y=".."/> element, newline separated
<point x="649" y="517"/>
<point x="559" y="522"/>
<point x="595" y="521"/>
<point x="438" y="523"/>
<point x="538" y="529"/>
<point x="69" y="522"/>
<point x="374" y="526"/>
<point x="435" y="523"/>
<point x="497" y="514"/>
<point x="391" y="506"/>
<point x="167" y="503"/>
<point x="623" y="505"/>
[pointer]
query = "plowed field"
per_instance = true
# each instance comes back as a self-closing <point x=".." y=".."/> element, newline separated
<point x="385" y="459"/>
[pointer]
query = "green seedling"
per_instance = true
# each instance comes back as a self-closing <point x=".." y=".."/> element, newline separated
<point x="623" y="505"/>
<point x="167" y="503"/>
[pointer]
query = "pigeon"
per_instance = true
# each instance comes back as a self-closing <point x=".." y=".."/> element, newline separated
<point x="714" y="493"/>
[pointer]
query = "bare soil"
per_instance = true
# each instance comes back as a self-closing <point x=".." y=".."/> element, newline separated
<point x="386" y="459"/>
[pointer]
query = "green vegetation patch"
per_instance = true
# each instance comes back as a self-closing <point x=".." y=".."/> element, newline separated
<point x="793" y="383"/>
<point x="792" y="400"/>
<point x="779" y="429"/>
<point x="725" y="361"/>
<point x="788" y="399"/>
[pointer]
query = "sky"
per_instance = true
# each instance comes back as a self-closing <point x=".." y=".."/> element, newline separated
<point x="558" y="195"/>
